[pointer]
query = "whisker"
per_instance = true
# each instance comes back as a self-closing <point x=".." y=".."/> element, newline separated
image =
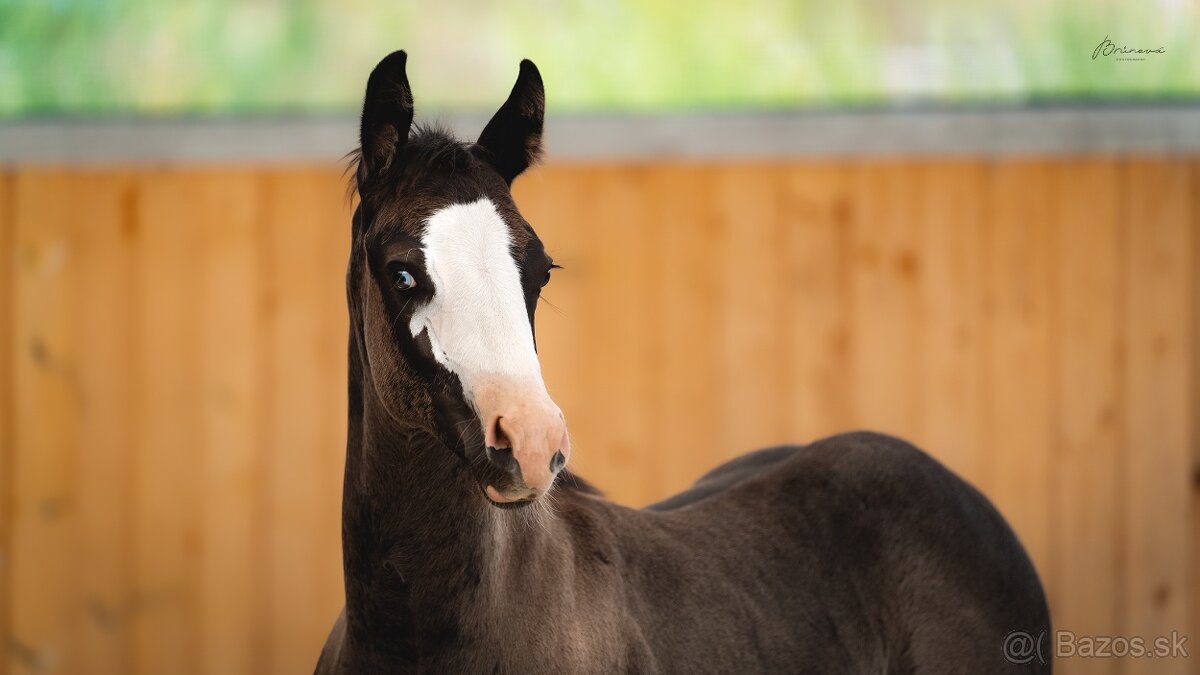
<point x="558" y="310"/>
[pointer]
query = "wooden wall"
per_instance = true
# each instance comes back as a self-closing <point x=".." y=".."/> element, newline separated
<point x="172" y="380"/>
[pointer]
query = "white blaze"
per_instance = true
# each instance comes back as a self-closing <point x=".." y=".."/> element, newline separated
<point x="476" y="321"/>
<point x="478" y="328"/>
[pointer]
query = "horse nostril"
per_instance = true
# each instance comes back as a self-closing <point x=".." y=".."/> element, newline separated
<point x="557" y="461"/>
<point x="503" y="458"/>
<point x="501" y="439"/>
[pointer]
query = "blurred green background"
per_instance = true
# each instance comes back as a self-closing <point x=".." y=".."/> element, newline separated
<point x="119" y="57"/>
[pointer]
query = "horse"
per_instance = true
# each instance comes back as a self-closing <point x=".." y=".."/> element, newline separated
<point x="468" y="545"/>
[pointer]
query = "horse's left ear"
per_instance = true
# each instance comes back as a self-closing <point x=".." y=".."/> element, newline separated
<point x="513" y="137"/>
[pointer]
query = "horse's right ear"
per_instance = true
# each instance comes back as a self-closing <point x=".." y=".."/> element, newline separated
<point x="387" y="113"/>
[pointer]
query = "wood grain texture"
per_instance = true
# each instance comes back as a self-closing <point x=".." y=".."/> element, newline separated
<point x="1156" y="210"/>
<point x="44" y="589"/>
<point x="303" y="328"/>
<point x="1087" y="457"/>
<point x="228" y="305"/>
<point x="103" y="281"/>
<point x="171" y="220"/>
<point x="8" y="264"/>
<point x="172" y="392"/>
<point x="615" y="368"/>
<point x="748" y="269"/>
<point x="884" y="277"/>
<point x="952" y="199"/>
<point x="815" y="299"/>
<point x="683" y="230"/>
<point x="1194" y="404"/>
<point x="1018" y="320"/>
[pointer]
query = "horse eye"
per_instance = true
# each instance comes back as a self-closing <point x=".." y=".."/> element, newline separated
<point x="404" y="279"/>
<point x="548" y="271"/>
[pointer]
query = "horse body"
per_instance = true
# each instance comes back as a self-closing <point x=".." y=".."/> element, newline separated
<point x="854" y="554"/>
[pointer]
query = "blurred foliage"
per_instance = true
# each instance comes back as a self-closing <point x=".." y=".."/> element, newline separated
<point x="104" y="57"/>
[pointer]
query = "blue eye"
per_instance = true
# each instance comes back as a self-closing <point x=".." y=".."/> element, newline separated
<point x="404" y="280"/>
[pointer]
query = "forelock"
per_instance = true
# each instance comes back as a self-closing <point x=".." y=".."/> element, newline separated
<point x="436" y="169"/>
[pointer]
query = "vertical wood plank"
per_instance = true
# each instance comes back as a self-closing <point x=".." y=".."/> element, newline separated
<point x="43" y="584"/>
<point x="1157" y="253"/>
<point x="886" y="357"/>
<point x="8" y="265"/>
<point x="952" y="200"/>
<point x="684" y="239"/>
<point x="816" y="298"/>
<point x="748" y="268"/>
<point x="1086" y="449"/>
<point x="332" y="210"/>
<point x="104" y="279"/>
<point x="1193" y="403"/>
<point x="7" y="393"/>
<point x="1019" y="364"/>
<point x="227" y="306"/>
<point x="612" y="434"/>
<point x="304" y="407"/>
<point x="167" y="485"/>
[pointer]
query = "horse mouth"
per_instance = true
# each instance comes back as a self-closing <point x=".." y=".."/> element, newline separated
<point x="509" y="500"/>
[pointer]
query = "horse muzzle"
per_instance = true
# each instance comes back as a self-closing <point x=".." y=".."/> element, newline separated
<point x="525" y="436"/>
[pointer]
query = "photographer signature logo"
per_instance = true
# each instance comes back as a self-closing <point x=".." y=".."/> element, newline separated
<point x="1121" y="52"/>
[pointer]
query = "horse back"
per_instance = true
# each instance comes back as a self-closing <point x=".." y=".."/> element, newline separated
<point x="864" y="535"/>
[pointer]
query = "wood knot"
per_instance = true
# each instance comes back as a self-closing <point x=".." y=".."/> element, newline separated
<point x="907" y="265"/>
<point x="1161" y="596"/>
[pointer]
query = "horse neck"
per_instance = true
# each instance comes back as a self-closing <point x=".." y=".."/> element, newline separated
<point x="419" y="542"/>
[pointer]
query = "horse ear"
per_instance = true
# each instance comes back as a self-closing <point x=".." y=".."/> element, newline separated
<point x="387" y="113"/>
<point x="513" y="137"/>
